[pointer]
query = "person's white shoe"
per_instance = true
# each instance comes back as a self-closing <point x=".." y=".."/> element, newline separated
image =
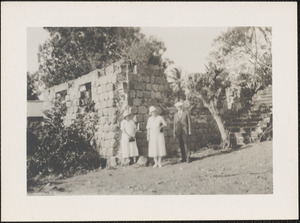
<point x="159" y="165"/>
<point x="155" y="165"/>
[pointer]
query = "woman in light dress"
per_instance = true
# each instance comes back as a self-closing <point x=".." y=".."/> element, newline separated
<point x="155" y="137"/>
<point x="128" y="141"/>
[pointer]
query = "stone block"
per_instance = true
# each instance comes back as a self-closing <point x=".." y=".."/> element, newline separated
<point x="100" y="97"/>
<point x="159" y="110"/>
<point x="155" y="87"/>
<point x="146" y="78"/>
<point x="142" y="86"/>
<point x="149" y="87"/>
<point x="114" y="119"/>
<point x="142" y="161"/>
<point x="158" y="95"/>
<point x="76" y="102"/>
<point x="159" y="80"/>
<point x="102" y="104"/>
<point x="103" y="120"/>
<point x="147" y="94"/>
<point x="137" y="86"/>
<point x="162" y="87"/>
<point x="137" y="102"/>
<point x="153" y="94"/>
<point x="114" y="127"/>
<point x="153" y="102"/>
<point x="112" y="78"/>
<point x="105" y="111"/>
<point x="110" y="135"/>
<point x="140" y="79"/>
<point x="145" y="117"/>
<point x="139" y="94"/>
<point x="100" y="112"/>
<point x="132" y="94"/>
<point x="152" y="79"/>
<point x="133" y="109"/>
<point x="106" y="128"/>
<point x="110" y="87"/>
<point x="142" y="110"/>
<point x="139" y="118"/>
<point x="113" y="111"/>
<point x="110" y="103"/>
<point x="100" y="89"/>
<point x="111" y="95"/>
<point x="144" y="101"/>
<point x="97" y="105"/>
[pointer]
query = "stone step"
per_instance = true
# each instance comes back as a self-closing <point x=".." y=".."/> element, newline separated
<point x="246" y="119"/>
<point x="242" y="124"/>
<point x="241" y="129"/>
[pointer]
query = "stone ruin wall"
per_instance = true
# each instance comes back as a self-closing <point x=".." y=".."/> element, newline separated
<point x="119" y="87"/>
<point x="107" y="93"/>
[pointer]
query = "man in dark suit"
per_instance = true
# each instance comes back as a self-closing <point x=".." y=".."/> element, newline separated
<point x="182" y="131"/>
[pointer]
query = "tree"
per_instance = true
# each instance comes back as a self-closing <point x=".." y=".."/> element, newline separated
<point x="245" y="54"/>
<point x="175" y="77"/>
<point x="210" y="87"/>
<point x="241" y="59"/>
<point x="32" y="86"/>
<point x="75" y="51"/>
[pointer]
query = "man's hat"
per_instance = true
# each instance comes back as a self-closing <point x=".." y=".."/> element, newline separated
<point x="126" y="113"/>
<point x="152" y="109"/>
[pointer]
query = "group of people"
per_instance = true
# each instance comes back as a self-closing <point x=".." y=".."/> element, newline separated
<point x="155" y="135"/>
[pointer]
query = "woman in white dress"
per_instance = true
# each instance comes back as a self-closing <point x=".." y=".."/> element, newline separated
<point x="155" y="137"/>
<point x="128" y="141"/>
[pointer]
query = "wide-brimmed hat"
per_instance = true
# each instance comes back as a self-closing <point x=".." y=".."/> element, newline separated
<point x="152" y="109"/>
<point x="126" y="113"/>
<point x="179" y="104"/>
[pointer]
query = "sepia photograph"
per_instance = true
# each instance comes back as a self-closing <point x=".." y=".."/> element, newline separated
<point x="149" y="111"/>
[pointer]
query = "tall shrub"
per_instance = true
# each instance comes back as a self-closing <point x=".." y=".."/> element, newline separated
<point x="65" y="149"/>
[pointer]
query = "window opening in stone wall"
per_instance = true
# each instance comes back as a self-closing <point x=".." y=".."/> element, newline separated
<point x="61" y="95"/>
<point x="86" y="96"/>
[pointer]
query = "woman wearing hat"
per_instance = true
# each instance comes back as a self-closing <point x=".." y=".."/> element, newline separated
<point x="128" y="141"/>
<point x="155" y="136"/>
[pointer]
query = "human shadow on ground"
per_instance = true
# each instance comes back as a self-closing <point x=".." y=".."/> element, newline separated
<point x="220" y="153"/>
<point x="193" y="159"/>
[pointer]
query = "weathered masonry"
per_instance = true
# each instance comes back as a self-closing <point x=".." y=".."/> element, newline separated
<point x="113" y="89"/>
<point x="118" y="87"/>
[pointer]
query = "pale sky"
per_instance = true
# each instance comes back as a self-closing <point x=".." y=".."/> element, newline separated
<point x="188" y="47"/>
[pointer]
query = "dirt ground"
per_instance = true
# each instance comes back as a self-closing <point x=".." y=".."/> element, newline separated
<point x="247" y="170"/>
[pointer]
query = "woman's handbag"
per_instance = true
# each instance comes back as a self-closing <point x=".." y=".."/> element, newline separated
<point x="161" y="129"/>
<point x="131" y="139"/>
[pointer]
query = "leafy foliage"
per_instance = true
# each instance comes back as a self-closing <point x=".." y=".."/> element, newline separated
<point x="175" y="77"/>
<point x="64" y="149"/>
<point x="32" y="86"/>
<point x="75" y="51"/>
<point x="245" y="54"/>
<point x="239" y="65"/>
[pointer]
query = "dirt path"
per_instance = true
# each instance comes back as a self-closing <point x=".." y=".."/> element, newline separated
<point x="247" y="170"/>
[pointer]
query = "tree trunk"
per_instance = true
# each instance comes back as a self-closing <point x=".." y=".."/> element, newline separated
<point x="210" y="106"/>
<point x="221" y="128"/>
